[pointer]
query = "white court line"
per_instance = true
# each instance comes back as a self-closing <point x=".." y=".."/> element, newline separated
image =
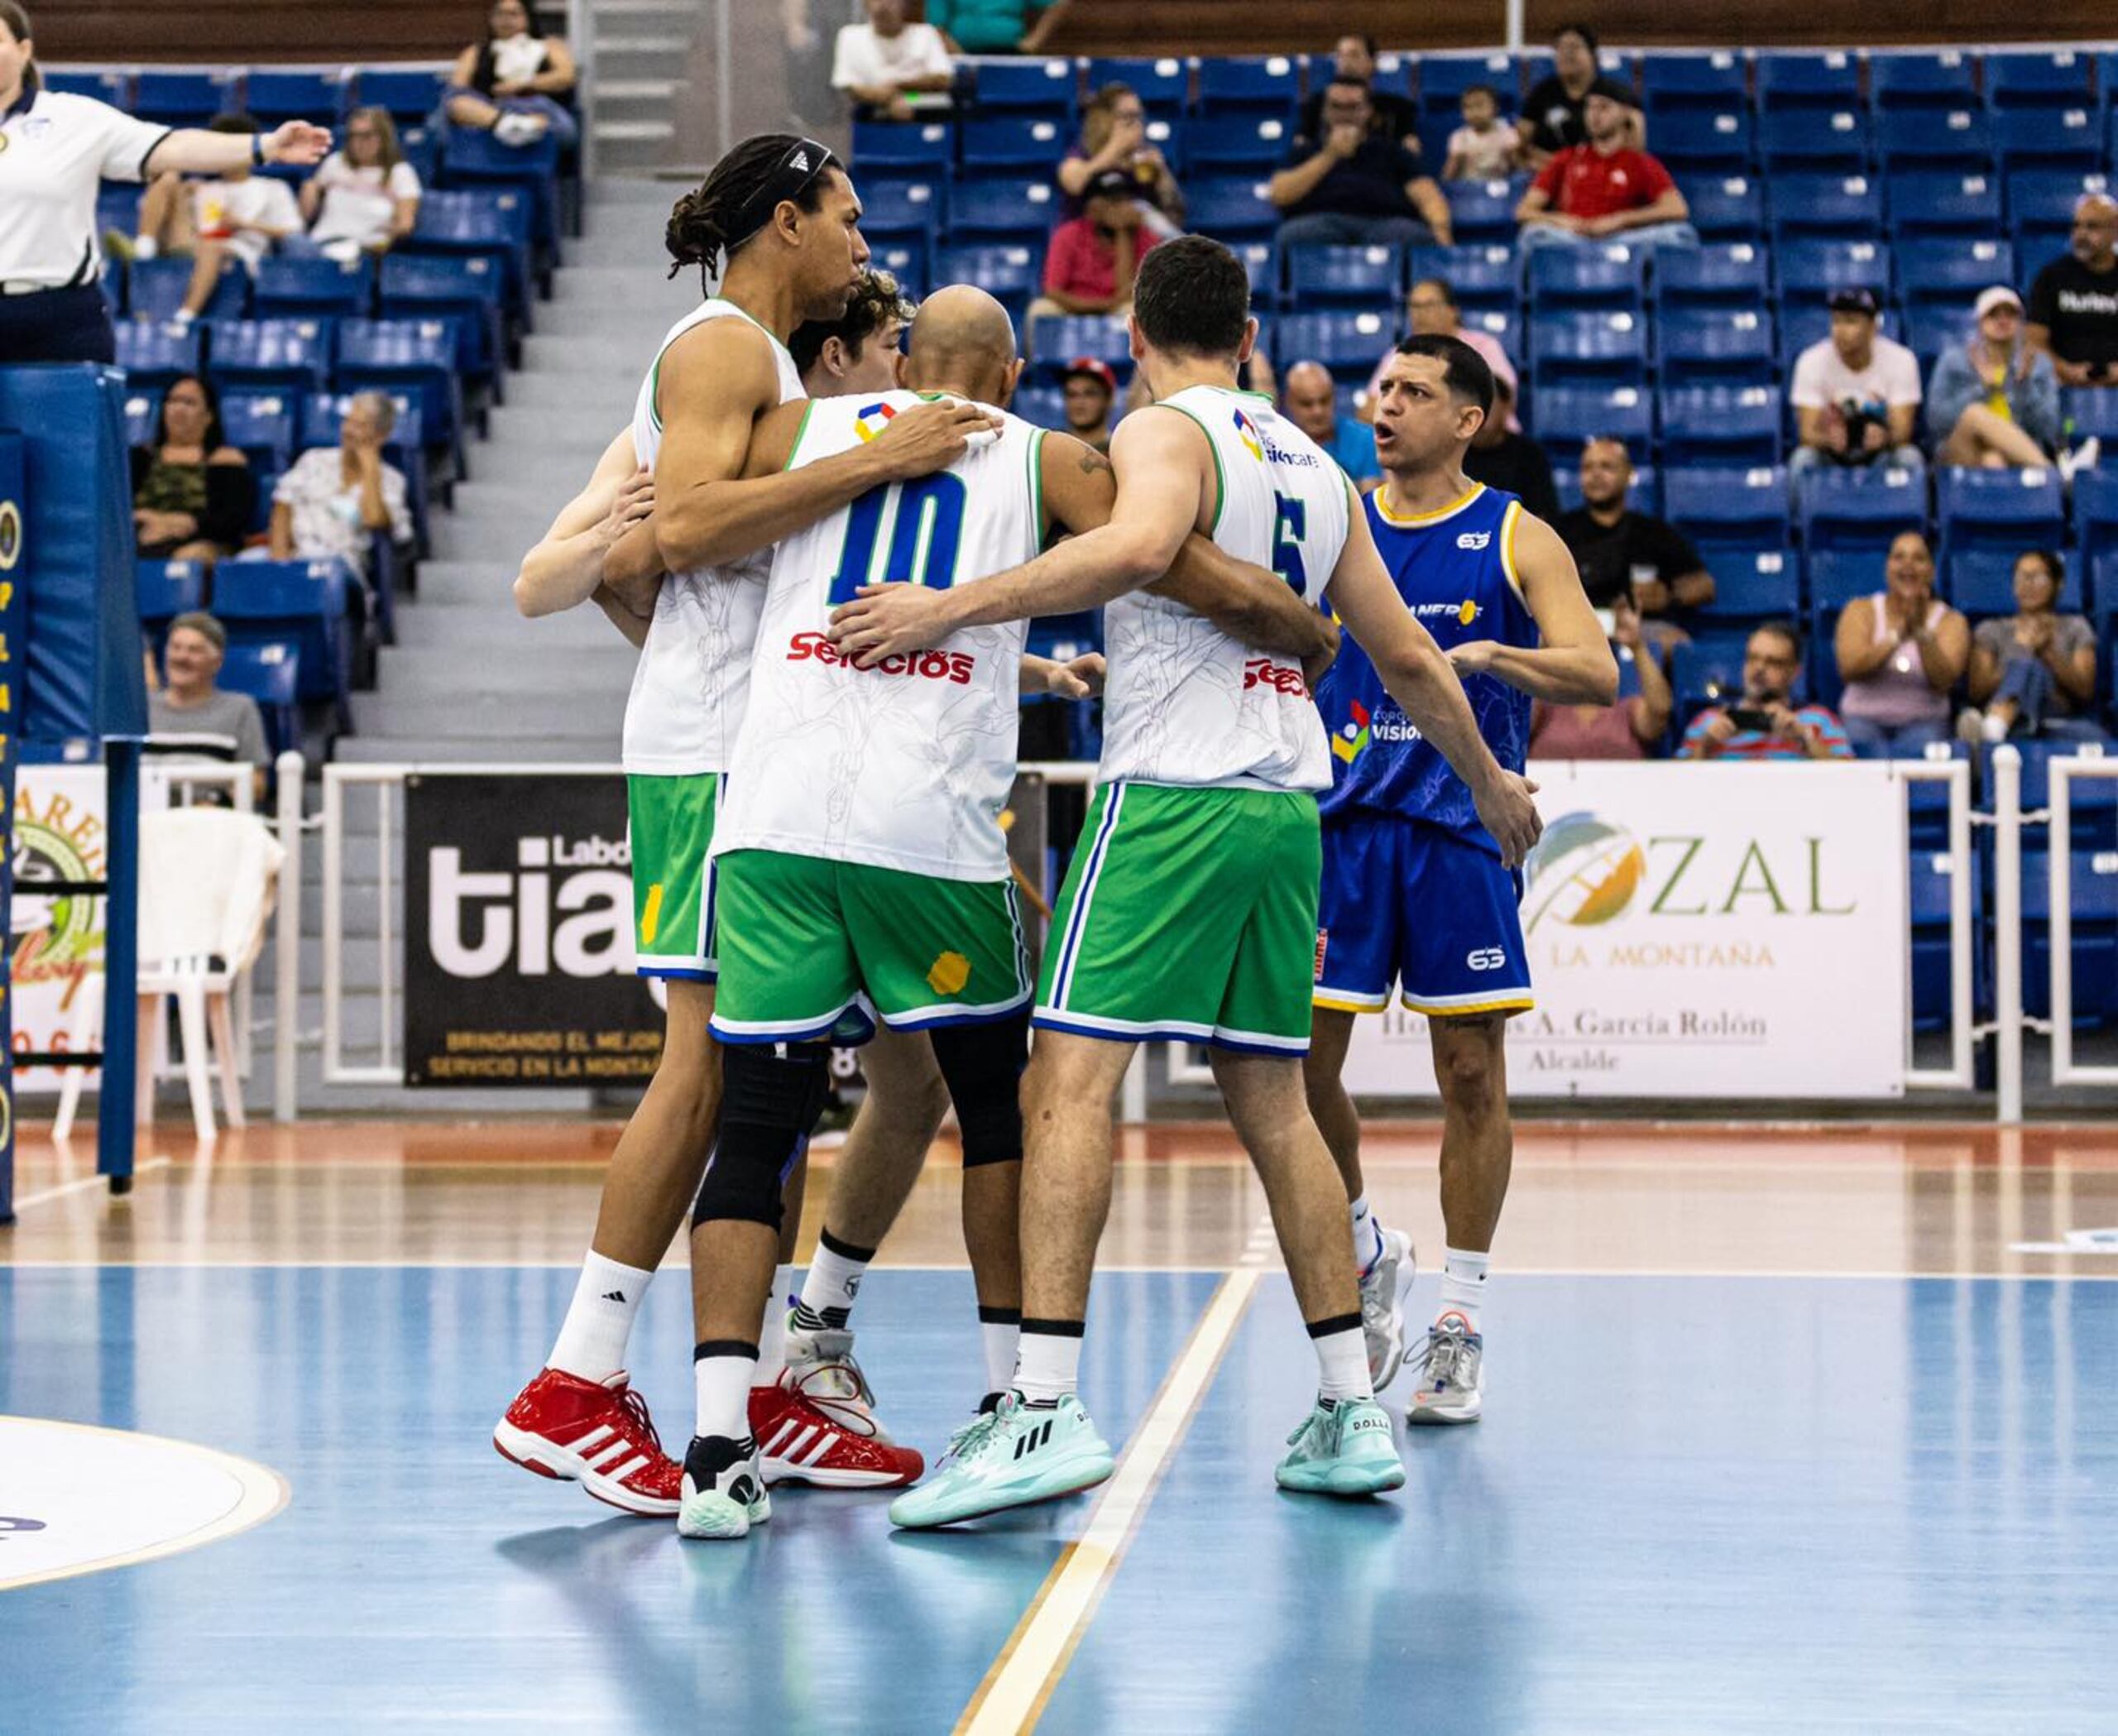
<point x="24" y="1202"/>
<point x="1012" y="1695"/>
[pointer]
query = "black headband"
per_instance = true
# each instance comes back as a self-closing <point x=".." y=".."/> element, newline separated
<point x="804" y="161"/>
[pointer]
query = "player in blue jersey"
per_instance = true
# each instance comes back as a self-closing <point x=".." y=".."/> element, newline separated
<point x="1414" y="889"/>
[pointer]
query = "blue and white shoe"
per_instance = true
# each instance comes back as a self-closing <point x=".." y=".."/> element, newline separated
<point x="724" y="1493"/>
<point x="1344" y="1448"/>
<point x="1383" y="1289"/>
<point x="1452" y="1385"/>
<point x="1013" y="1456"/>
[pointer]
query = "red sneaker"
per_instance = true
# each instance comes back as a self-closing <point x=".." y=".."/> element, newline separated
<point x="833" y="1442"/>
<point x="600" y="1436"/>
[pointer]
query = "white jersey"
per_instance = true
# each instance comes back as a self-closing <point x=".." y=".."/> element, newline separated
<point x="909" y="763"/>
<point x="694" y="672"/>
<point x="1183" y="702"/>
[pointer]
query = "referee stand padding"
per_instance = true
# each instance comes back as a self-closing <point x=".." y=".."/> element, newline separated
<point x="77" y="682"/>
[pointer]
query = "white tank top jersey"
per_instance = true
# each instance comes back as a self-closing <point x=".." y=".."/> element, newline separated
<point x="694" y="673"/>
<point x="906" y="765"/>
<point x="1183" y="702"/>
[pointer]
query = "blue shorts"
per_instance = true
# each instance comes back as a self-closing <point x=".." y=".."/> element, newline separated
<point x="1419" y="906"/>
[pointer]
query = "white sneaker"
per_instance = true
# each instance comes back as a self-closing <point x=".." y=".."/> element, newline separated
<point x="1383" y="1288"/>
<point x="2083" y="457"/>
<point x="520" y="129"/>
<point x="1993" y="729"/>
<point x="1452" y="1373"/>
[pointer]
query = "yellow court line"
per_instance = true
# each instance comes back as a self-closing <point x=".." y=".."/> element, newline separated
<point x="1013" y="1696"/>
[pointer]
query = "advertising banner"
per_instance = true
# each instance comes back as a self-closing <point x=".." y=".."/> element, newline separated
<point x="55" y="935"/>
<point x="1699" y="930"/>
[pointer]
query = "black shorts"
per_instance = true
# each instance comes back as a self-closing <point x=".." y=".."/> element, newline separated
<point x="57" y="325"/>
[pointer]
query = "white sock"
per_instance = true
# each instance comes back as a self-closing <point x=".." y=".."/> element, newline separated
<point x="1464" y="1282"/>
<point x="722" y="1381"/>
<point x="1342" y="1365"/>
<point x="1000" y="1331"/>
<point x="598" y="1324"/>
<point x="833" y="1283"/>
<point x="1368" y="1236"/>
<point x="1048" y="1365"/>
<point x="772" y="1336"/>
<point x="145" y="246"/>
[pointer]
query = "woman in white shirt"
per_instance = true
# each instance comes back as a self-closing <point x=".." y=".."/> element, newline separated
<point x="511" y="83"/>
<point x="332" y="499"/>
<point x="365" y="197"/>
<point x="55" y="148"/>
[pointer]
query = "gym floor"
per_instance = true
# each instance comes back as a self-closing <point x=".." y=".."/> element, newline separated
<point x="1810" y="1428"/>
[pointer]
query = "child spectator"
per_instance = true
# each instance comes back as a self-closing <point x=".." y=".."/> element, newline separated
<point x="1485" y="147"/>
<point x="237" y="216"/>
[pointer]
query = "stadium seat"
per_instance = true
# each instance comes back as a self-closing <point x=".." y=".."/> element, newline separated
<point x="416" y="357"/>
<point x="2095" y="513"/>
<point x="906" y="261"/>
<point x="1810" y="271"/>
<point x="261" y="425"/>
<point x="175" y="97"/>
<point x="142" y="410"/>
<point x="1922" y="203"/>
<point x="314" y="288"/>
<point x="157" y="287"/>
<point x="1060" y="340"/>
<point x="1444" y="78"/>
<point x="1261" y="264"/>
<point x="270" y="672"/>
<point x="302" y="603"/>
<point x="1344" y="276"/>
<point x="924" y="145"/>
<point x="1041" y="85"/>
<point x="2092" y="409"/>
<point x="1703" y="142"/>
<point x="466" y="291"/>
<point x="472" y="156"/>
<point x="103" y="83"/>
<point x="1728" y="504"/>
<point x="1715" y="346"/>
<point x="495" y="221"/>
<point x="2049" y="138"/>
<point x="1249" y="86"/>
<point x="1609" y="275"/>
<point x="1934" y="138"/>
<point x="1837" y="576"/>
<point x="408" y="93"/>
<point x="1481" y="276"/>
<point x="2041" y="79"/>
<point x="2094" y="890"/>
<point x="1720" y="424"/>
<point x="1484" y="211"/>
<point x="1497" y="323"/>
<point x="167" y="589"/>
<point x="912" y="210"/>
<point x="1673" y="81"/>
<point x="1814" y="141"/>
<point x="2009" y="510"/>
<point x="1720" y="274"/>
<point x="1644" y="496"/>
<point x="1011" y="274"/>
<point x="1858" y="509"/>
<point x="1751" y="583"/>
<point x="1568" y="348"/>
<point x="1230" y="208"/>
<point x="1347" y="343"/>
<point x="279" y="355"/>
<point x="152" y="355"/>
<point x="1729" y="208"/>
<point x="1021" y="211"/>
<point x="1567" y="418"/>
<point x="1240" y="145"/>
<point x="274" y="94"/>
<point x="2041" y="205"/>
<point x="1948" y="275"/>
<point x="1922" y="80"/>
<point x="1163" y="85"/>
<point x="1014" y="143"/>
<point x="1040" y="406"/>
<point x="1981" y="581"/>
<point x="1823" y="205"/>
<point x="1807" y="77"/>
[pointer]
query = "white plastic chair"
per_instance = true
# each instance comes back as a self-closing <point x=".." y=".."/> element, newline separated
<point x="207" y="877"/>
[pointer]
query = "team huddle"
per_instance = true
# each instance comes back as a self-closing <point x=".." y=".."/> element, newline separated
<point x="828" y="552"/>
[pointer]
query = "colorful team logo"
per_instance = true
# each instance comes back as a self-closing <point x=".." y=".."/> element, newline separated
<point x="1353" y="736"/>
<point x="872" y="420"/>
<point x="1246" y="431"/>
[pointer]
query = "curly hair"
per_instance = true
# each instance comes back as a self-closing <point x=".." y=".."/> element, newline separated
<point x="876" y="301"/>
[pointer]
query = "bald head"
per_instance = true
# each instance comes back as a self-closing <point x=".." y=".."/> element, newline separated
<point x="2096" y="230"/>
<point x="1311" y="399"/>
<point x="962" y="342"/>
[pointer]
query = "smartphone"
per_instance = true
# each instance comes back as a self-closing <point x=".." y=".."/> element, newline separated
<point x="1750" y="717"/>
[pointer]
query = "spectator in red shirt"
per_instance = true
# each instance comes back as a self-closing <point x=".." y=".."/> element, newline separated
<point x="1091" y="263"/>
<point x="1605" y="190"/>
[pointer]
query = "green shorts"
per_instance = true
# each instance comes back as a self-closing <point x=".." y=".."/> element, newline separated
<point x="815" y="947"/>
<point x="1190" y="915"/>
<point x="671" y="824"/>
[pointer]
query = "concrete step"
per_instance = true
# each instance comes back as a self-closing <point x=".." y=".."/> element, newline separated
<point x="495" y="629"/>
<point x="483" y="751"/>
<point x="434" y="669"/>
<point x="569" y="445"/>
<point x="597" y="400"/>
<point x="497" y="715"/>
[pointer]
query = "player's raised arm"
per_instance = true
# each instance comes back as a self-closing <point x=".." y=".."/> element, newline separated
<point x="1574" y="666"/>
<point x="565" y="570"/>
<point x="1416" y="673"/>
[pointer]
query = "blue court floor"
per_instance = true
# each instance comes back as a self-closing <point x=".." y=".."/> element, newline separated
<point x="1696" y="1504"/>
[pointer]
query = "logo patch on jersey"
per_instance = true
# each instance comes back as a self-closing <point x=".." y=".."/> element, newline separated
<point x="954" y="666"/>
<point x="1246" y="431"/>
<point x="1347" y="745"/>
<point x="1467" y="611"/>
<point x="1263" y="672"/>
<point x="948" y="974"/>
<point x="1474" y="539"/>
<point x="872" y="420"/>
<point x="1486" y="958"/>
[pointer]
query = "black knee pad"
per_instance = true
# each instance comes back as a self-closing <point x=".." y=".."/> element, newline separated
<point x="771" y="1096"/>
<point x="982" y="1066"/>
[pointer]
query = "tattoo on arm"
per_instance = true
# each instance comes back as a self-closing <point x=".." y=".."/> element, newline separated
<point x="1093" y="462"/>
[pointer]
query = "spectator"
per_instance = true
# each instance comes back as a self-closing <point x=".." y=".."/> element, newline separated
<point x="1627" y="555"/>
<point x="237" y="216"/>
<point x="1856" y="393"/>
<point x="1114" y="136"/>
<point x="1995" y="401"/>
<point x="1607" y="189"/>
<point x="997" y="26"/>
<point x="1486" y="147"/>
<point x="1633" y="728"/>
<point x="1353" y="61"/>
<point x="1554" y="114"/>
<point x="1766" y="724"/>
<point x="1352" y="186"/>
<point x="2034" y="672"/>
<point x="365" y="197"/>
<point x="1091" y="391"/>
<point x="1900" y="652"/>
<point x="193" y="493"/>
<point x="1090" y="264"/>
<point x="333" y="500"/>
<point x="1431" y="310"/>
<point x="1503" y="457"/>
<point x="513" y="84"/>
<point x="891" y="68"/>
<point x="1309" y="398"/>
<point x="2073" y="303"/>
<point x="188" y="703"/>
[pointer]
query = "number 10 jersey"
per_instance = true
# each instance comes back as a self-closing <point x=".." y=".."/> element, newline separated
<point x="906" y="765"/>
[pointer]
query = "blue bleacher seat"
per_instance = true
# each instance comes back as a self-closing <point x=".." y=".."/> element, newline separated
<point x="1951" y="274"/>
<point x="1097" y="336"/>
<point x="1022" y="211"/>
<point x="1608" y="275"/>
<point x="152" y="355"/>
<point x="1230" y="208"/>
<point x="2011" y="509"/>
<point x="1011" y="273"/>
<point x="1040" y="406"/>
<point x="1814" y="141"/>
<point x="2096" y="511"/>
<point x="167" y="589"/>
<point x="1807" y="77"/>
<point x="2041" y="201"/>
<point x="1349" y="344"/>
<point x="1982" y="582"/>
<point x="1837" y="576"/>
<point x="2093" y="906"/>
<point x="1331" y="276"/>
<point x="1565" y="419"/>
<point x="408" y="93"/>
<point x="2064" y="77"/>
<point x="1244" y="144"/>
<point x="473" y="157"/>
<point x="104" y="84"/>
<point x="289" y="288"/>
<point x="1824" y="205"/>
<point x="1725" y="208"/>
<point x="495" y="221"/>
<point x="1922" y="203"/>
<point x="1163" y="85"/>
<point x="263" y="425"/>
<point x="157" y="288"/>
<point x="2092" y="409"/>
<point x="1261" y="264"/>
<point x="1484" y="211"/>
<point x="1718" y="425"/>
<point x="1751" y="583"/>
<point x="1577" y="347"/>
<point x="142" y="410"/>
<point x="1858" y="509"/>
<point x="269" y="671"/>
<point x="1017" y="144"/>
<point x="1444" y="78"/>
<point x="1498" y="324"/>
<point x="287" y="355"/>
<point x="902" y="209"/>
<point x="1721" y="274"/>
<point x="181" y="96"/>
<point x="466" y="291"/>
<point x="906" y="261"/>
<point x="1481" y="276"/>
<point x="302" y="603"/>
<point x="1728" y="505"/>
<point x="1810" y="271"/>
<point x="907" y="145"/>
<point x="1671" y="80"/>
<point x="1934" y="138"/>
<point x="2049" y="138"/>
<point x="415" y="357"/>
<point x="1262" y="84"/>
<point x="1703" y="141"/>
<point x="1037" y="84"/>
<point x="1923" y="79"/>
<point x="1645" y="495"/>
<point x="1715" y="346"/>
<point x="274" y="94"/>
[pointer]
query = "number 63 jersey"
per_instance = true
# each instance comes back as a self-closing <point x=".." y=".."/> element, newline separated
<point x="908" y="764"/>
<point x="1184" y="703"/>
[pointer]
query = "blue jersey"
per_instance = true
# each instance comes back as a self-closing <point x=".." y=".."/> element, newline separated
<point x="1455" y="569"/>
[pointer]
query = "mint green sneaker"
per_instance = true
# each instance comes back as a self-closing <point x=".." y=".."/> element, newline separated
<point x="1346" y="1449"/>
<point x="1009" y="1457"/>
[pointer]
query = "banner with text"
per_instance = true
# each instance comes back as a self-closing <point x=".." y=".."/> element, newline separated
<point x="1710" y="931"/>
<point x="55" y="931"/>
